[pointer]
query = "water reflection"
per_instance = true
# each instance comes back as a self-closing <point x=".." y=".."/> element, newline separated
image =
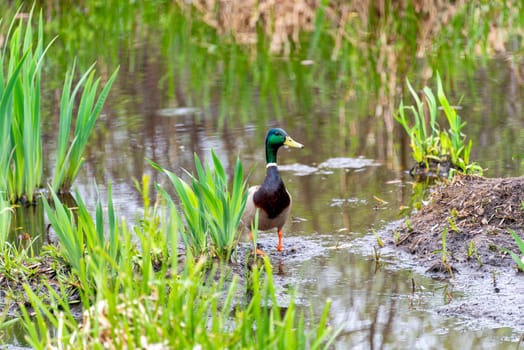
<point x="381" y="310"/>
<point x="375" y="309"/>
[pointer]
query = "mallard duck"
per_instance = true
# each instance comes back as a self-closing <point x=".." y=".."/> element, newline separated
<point x="271" y="198"/>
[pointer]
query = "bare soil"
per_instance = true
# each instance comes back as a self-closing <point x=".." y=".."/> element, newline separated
<point x="477" y="213"/>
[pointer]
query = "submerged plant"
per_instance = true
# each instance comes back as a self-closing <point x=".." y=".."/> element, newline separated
<point x="211" y="208"/>
<point x="431" y="145"/>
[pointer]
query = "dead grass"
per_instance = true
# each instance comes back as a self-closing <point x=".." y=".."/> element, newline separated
<point x="283" y="20"/>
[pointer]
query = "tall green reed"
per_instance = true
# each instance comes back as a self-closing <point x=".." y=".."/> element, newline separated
<point x="69" y="155"/>
<point x="211" y="208"/>
<point x="21" y="161"/>
<point x="21" y="63"/>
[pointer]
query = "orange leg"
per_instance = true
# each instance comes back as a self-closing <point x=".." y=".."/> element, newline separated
<point x="256" y="251"/>
<point x="279" y="247"/>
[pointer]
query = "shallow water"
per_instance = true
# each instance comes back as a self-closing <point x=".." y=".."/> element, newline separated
<point x="347" y="183"/>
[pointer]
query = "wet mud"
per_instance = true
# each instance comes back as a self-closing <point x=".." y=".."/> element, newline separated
<point x="477" y="215"/>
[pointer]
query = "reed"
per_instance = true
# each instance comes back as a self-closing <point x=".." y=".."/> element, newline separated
<point x="21" y="161"/>
<point x="21" y="63"/>
<point x="210" y="207"/>
<point x="430" y="143"/>
<point x="70" y="148"/>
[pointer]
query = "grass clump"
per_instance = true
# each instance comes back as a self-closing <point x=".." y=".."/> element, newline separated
<point x="20" y="76"/>
<point x="69" y="155"/>
<point x="211" y="208"/>
<point x="87" y="244"/>
<point x="21" y="160"/>
<point x="434" y="148"/>
<point x="177" y="304"/>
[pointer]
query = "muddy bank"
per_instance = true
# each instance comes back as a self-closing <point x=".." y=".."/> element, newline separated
<point x="477" y="215"/>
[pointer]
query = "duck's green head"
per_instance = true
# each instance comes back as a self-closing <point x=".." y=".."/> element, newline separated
<point x="274" y="140"/>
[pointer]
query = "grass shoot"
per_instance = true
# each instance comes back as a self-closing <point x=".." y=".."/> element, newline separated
<point x="211" y="208"/>
<point x="432" y="145"/>
<point x="519" y="259"/>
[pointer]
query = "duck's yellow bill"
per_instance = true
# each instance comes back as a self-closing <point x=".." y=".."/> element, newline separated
<point x="292" y="143"/>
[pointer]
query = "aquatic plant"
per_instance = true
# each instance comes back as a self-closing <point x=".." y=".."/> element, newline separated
<point x="444" y="252"/>
<point x="20" y="76"/>
<point x="168" y="305"/>
<point x="179" y="312"/>
<point x="21" y="162"/>
<point x="69" y="153"/>
<point x="211" y="208"/>
<point x="472" y="251"/>
<point x="432" y="145"/>
<point x="86" y="244"/>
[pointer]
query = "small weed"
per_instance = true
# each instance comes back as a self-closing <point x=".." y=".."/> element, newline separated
<point x="379" y="240"/>
<point x="472" y="251"/>
<point x="396" y="237"/>
<point x="448" y="294"/>
<point x="408" y="224"/>
<point x="444" y="253"/>
<point x="519" y="260"/>
<point x="377" y="258"/>
<point x="452" y="221"/>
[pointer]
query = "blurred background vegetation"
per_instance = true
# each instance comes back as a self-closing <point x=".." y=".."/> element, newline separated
<point x="341" y="63"/>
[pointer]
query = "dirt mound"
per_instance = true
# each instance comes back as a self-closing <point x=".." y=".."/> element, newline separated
<point x="477" y="215"/>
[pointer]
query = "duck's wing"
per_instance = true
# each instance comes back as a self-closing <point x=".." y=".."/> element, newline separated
<point x="251" y="209"/>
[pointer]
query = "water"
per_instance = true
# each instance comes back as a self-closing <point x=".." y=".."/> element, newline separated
<point x="349" y="181"/>
<point x="342" y="193"/>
